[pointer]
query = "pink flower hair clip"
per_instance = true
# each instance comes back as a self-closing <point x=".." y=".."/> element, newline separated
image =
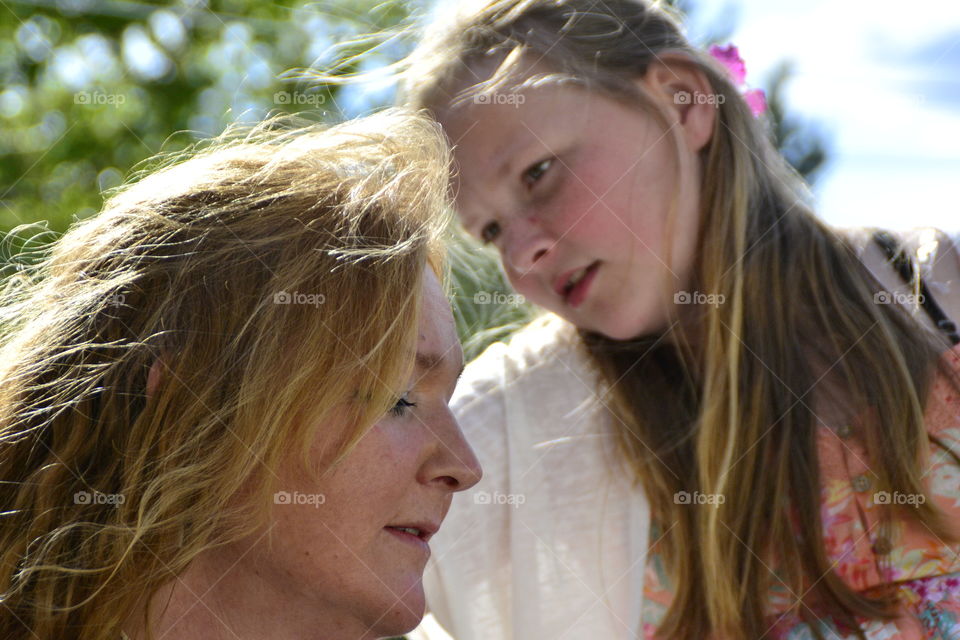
<point x="730" y="58"/>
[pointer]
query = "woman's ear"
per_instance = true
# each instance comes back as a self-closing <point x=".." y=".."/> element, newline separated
<point x="155" y="377"/>
<point x="684" y="92"/>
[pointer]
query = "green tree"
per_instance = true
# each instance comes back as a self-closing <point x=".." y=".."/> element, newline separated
<point x="93" y="87"/>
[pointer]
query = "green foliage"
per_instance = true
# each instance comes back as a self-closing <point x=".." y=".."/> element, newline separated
<point x="484" y="306"/>
<point x="803" y="146"/>
<point x="92" y="87"/>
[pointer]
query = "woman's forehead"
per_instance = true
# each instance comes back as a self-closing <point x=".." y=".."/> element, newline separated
<point x="438" y="343"/>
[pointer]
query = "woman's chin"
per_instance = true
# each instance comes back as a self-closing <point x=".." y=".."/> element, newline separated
<point x="405" y="610"/>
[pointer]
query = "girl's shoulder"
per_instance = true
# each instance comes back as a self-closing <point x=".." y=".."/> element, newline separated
<point x="935" y="251"/>
<point x="533" y="388"/>
<point x="546" y="349"/>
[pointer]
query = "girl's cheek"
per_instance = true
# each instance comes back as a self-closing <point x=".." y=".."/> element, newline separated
<point x="579" y="213"/>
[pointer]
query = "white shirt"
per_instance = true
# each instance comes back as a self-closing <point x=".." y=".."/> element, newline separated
<point x="542" y="547"/>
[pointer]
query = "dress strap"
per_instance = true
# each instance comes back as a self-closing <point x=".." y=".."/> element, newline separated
<point x="904" y="266"/>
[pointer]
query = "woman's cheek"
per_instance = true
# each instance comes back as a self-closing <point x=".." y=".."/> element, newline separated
<point x="403" y="438"/>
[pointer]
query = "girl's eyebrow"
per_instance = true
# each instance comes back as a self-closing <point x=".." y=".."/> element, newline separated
<point x="504" y="157"/>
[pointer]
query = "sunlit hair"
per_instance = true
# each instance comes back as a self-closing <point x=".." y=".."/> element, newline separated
<point x="728" y="410"/>
<point x="277" y="276"/>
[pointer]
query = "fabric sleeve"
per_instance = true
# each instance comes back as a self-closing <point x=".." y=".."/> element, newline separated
<point x="551" y="542"/>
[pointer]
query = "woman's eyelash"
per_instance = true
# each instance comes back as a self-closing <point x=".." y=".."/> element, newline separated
<point x="401" y="407"/>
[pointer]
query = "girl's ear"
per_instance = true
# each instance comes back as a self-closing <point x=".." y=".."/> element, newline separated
<point x="685" y="94"/>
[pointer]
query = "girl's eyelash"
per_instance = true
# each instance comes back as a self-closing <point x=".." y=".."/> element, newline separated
<point x="536" y="171"/>
<point x="489" y="232"/>
<point x="401" y="407"/>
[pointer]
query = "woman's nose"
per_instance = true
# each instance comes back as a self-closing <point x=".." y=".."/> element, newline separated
<point x="456" y="465"/>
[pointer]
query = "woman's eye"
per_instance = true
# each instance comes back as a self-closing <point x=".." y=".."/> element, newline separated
<point x="534" y="173"/>
<point x="490" y="232"/>
<point x="401" y="407"/>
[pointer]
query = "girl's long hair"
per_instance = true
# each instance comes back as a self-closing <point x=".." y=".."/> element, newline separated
<point x="276" y="277"/>
<point x="727" y="409"/>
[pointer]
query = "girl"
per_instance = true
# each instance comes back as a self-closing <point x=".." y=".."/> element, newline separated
<point x="784" y="408"/>
<point x="223" y="400"/>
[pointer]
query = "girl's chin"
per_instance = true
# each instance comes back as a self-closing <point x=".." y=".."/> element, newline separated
<point x="622" y="335"/>
<point x="626" y="331"/>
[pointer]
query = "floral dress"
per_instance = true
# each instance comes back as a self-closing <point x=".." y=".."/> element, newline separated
<point x="923" y="568"/>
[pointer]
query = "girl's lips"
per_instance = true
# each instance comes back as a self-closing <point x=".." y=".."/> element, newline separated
<point x="578" y="293"/>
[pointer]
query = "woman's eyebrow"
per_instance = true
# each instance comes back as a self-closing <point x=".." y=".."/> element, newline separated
<point x="431" y="362"/>
<point x="428" y="361"/>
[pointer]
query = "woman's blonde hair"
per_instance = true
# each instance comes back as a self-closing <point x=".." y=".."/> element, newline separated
<point x="730" y="417"/>
<point x="276" y="277"/>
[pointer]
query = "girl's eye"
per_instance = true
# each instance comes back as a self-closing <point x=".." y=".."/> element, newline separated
<point x="534" y="173"/>
<point x="400" y="409"/>
<point x="490" y="232"/>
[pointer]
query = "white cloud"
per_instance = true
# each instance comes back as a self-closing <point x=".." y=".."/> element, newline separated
<point x="896" y="156"/>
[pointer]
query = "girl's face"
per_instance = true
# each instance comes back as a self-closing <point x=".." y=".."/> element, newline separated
<point x="574" y="189"/>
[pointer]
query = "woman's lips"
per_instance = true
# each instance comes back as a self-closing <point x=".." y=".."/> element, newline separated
<point x="410" y="539"/>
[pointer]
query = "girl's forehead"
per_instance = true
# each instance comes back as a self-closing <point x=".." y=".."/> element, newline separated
<point x="495" y="127"/>
<point x="498" y="73"/>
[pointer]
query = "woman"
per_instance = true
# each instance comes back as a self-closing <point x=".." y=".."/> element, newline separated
<point x="223" y="400"/>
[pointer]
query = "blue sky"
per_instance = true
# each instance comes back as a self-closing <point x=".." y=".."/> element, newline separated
<point x="882" y="79"/>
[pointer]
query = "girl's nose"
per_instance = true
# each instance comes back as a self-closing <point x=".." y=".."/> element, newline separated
<point x="525" y="245"/>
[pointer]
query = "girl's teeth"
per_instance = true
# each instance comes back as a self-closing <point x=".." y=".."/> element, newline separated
<point x="577" y="277"/>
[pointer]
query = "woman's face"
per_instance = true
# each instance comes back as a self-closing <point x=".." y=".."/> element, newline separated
<point x="574" y="190"/>
<point x="349" y="554"/>
<point x="335" y="562"/>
